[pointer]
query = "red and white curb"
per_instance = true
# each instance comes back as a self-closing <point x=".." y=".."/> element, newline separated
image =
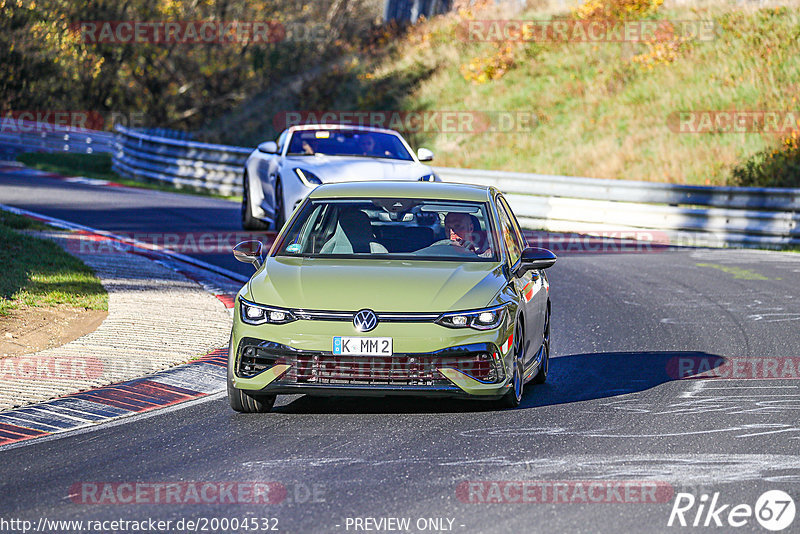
<point x="199" y="378"/>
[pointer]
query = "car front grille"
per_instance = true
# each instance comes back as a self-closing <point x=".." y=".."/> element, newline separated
<point x="323" y="368"/>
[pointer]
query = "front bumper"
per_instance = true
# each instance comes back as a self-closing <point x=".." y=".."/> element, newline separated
<point x="471" y="364"/>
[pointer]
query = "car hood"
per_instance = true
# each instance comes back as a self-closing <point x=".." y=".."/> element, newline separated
<point x="332" y="169"/>
<point x="380" y="285"/>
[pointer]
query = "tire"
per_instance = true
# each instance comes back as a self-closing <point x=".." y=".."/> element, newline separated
<point x="279" y="215"/>
<point x="513" y="397"/>
<point x="541" y="375"/>
<point x="248" y="221"/>
<point x="246" y="403"/>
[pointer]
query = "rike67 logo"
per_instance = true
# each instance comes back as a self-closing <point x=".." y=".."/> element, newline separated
<point x="774" y="510"/>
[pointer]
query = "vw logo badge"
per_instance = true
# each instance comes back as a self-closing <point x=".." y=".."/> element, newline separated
<point x="365" y="320"/>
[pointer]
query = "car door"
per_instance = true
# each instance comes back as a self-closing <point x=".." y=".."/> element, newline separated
<point x="529" y="287"/>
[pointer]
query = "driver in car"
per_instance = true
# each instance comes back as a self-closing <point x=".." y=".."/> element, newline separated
<point x="460" y="230"/>
<point x="367" y="145"/>
<point x="371" y="147"/>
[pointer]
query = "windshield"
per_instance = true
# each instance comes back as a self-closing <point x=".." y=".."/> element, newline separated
<point x="347" y="143"/>
<point x="394" y="228"/>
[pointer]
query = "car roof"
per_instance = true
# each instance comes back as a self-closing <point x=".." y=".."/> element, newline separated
<point x="404" y="189"/>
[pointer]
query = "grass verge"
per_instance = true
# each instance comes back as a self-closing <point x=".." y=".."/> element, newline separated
<point x="38" y="272"/>
<point x="98" y="167"/>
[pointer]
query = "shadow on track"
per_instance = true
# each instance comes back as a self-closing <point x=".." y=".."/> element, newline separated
<point x="572" y="378"/>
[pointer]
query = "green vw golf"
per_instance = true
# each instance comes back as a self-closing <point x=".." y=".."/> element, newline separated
<point x="392" y="288"/>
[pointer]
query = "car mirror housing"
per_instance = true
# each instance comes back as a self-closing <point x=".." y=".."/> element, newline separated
<point x="423" y="154"/>
<point x="269" y="147"/>
<point x="534" y="258"/>
<point x="249" y="252"/>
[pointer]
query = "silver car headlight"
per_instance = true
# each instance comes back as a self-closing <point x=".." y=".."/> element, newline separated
<point x="308" y="178"/>
<point x="484" y="319"/>
<point x="256" y="314"/>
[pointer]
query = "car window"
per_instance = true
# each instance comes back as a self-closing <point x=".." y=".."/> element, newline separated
<point x="348" y="143"/>
<point x="514" y="221"/>
<point x="509" y="232"/>
<point x="397" y="228"/>
<point x="282" y="140"/>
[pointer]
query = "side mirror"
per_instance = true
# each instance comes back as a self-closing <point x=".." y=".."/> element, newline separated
<point x="249" y="252"/>
<point x="269" y="147"/>
<point x="423" y="154"/>
<point x="535" y="258"/>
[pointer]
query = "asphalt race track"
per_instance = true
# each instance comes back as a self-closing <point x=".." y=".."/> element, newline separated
<point x="614" y="411"/>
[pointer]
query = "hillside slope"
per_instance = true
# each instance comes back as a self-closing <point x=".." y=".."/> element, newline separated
<point x="599" y="109"/>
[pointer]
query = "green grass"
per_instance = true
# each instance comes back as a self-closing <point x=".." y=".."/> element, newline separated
<point x="18" y="222"/>
<point x="38" y="272"/>
<point x="606" y="117"/>
<point x="98" y="167"/>
<point x="600" y="113"/>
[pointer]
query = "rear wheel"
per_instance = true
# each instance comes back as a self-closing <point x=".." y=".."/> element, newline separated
<point x="544" y="367"/>
<point x="248" y="221"/>
<point x="513" y="396"/>
<point x="247" y="403"/>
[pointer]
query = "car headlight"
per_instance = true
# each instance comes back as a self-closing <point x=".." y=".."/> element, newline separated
<point x="485" y="319"/>
<point x="428" y="178"/>
<point x="255" y="314"/>
<point x="308" y="178"/>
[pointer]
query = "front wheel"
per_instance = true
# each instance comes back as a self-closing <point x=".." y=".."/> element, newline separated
<point x="246" y="403"/>
<point x="513" y="397"/>
<point x="248" y="221"/>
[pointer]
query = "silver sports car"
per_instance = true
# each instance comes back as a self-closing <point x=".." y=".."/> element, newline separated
<point x="279" y="175"/>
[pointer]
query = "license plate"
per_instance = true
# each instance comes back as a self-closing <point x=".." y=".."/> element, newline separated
<point x="363" y="346"/>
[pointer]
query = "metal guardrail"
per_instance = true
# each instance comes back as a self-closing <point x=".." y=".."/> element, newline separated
<point x="683" y="214"/>
<point x="26" y="136"/>
<point x="679" y="214"/>
<point x="676" y="214"/>
<point x="215" y="168"/>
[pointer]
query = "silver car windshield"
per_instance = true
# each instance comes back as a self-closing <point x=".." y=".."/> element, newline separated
<point x="392" y="228"/>
<point x="347" y="143"/>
